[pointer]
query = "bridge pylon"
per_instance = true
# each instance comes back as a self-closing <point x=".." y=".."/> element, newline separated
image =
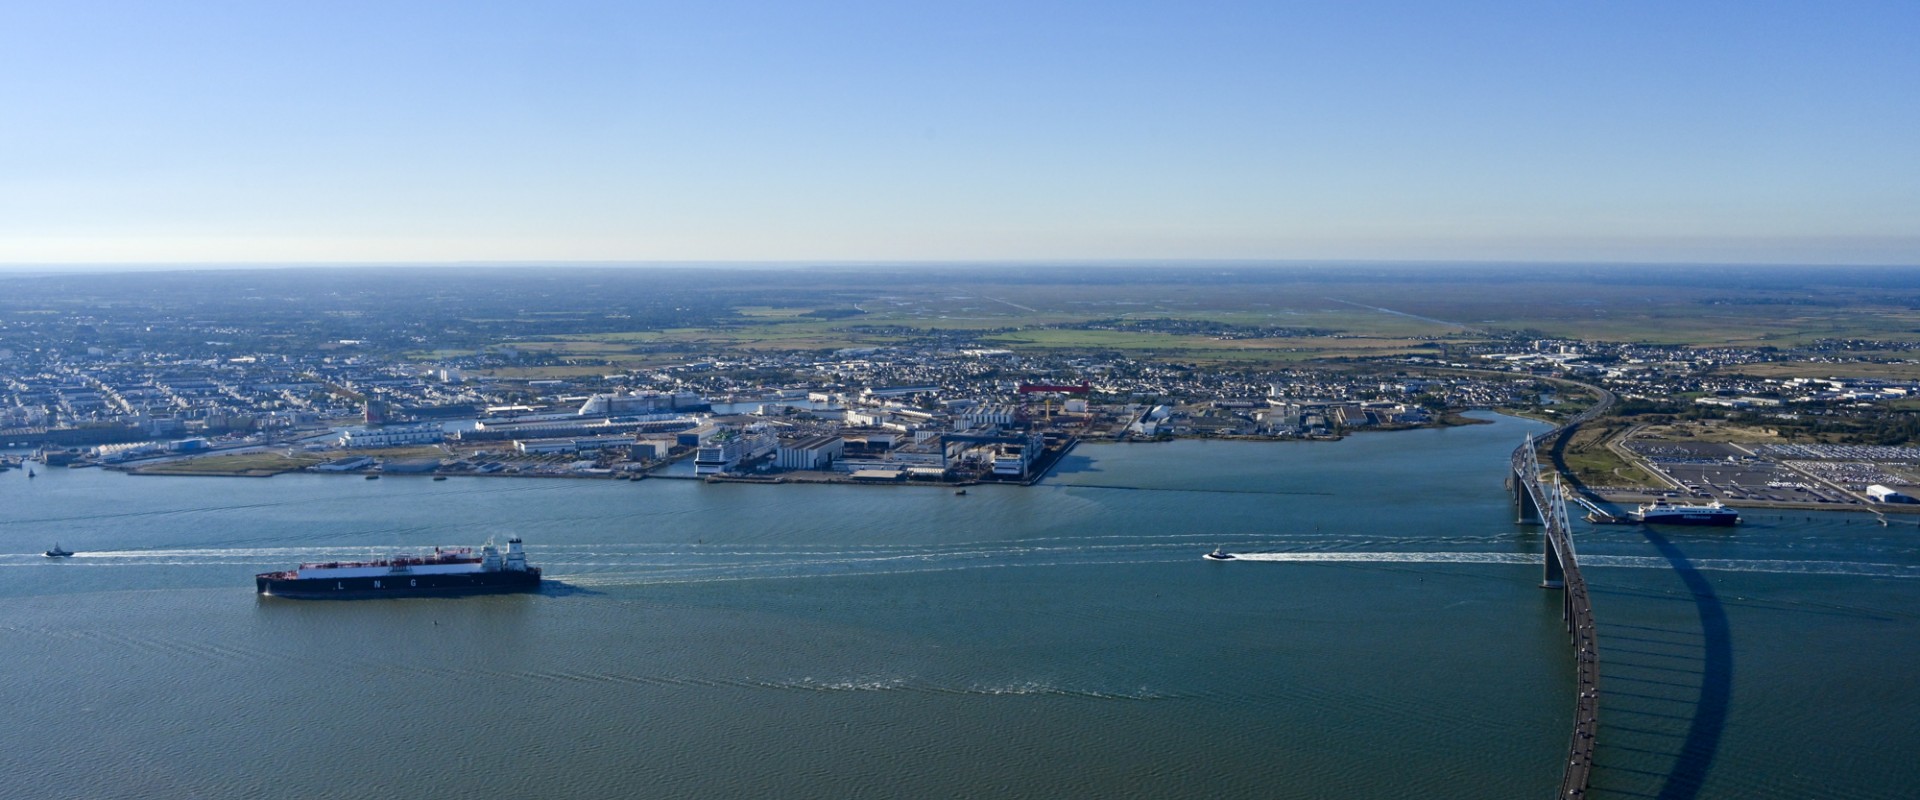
<point x="1553" y="572"/>
<point x="1561" y="570"/>
<point x="1534" y="504"/>
<point x="1526" y="509"/>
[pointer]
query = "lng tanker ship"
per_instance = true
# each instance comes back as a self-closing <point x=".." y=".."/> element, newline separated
<point x="447" y="571"/>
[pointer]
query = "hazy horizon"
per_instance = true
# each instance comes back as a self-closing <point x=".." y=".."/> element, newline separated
<point x="1010" y="263"/>
<point x="397" y="133"/>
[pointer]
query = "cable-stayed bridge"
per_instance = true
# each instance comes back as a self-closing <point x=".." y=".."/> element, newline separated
<point x="1544" y="503"/>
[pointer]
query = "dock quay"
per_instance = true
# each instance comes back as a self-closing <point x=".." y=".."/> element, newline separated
<point x="1596" y="514"/>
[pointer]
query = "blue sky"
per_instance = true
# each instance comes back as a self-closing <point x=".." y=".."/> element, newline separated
<point x="411" y="131"/>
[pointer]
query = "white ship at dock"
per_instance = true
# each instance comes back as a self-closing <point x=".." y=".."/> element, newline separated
<point x="1661" y="512"/>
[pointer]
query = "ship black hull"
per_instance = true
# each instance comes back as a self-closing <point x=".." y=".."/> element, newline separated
<point x="399" y="585"/>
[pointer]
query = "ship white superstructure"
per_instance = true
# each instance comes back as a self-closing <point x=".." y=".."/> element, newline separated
<point x="1664" y="513"/>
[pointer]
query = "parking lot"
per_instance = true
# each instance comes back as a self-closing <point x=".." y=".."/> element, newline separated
<point x="1783" y="474"/>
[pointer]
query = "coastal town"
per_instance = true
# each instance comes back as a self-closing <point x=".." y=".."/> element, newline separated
<point x="874" y="414"/>
<point x="926" y="406"/>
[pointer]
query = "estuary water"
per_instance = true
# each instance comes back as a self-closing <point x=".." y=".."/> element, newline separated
<point x="1383" y="636"/>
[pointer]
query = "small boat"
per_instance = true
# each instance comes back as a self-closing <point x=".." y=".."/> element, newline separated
<point x="1218" y="555"/>
<point x="960" y="493"/>
<point x="57" y="552"/>
<point x="439" y="477"/>
<point x="29" y="472"/>
<point x="373" y="477"/>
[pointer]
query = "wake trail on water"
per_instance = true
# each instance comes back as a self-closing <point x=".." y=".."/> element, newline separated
<point x="165" y="512"/>
<point x="1118" y="487"/>
<point x="1777" y="566"/>
<point x="643" y="563"/>
<point x="170" y="512"/>
<point x="573" y="553"/>
<point x="591" y="580"/>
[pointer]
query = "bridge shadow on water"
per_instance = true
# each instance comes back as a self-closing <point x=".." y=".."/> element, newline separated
<point x="1666" y="695"/>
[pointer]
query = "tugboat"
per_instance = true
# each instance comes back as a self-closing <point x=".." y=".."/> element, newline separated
<point x="57" y="552"/>
<point x="1218" y="555"/>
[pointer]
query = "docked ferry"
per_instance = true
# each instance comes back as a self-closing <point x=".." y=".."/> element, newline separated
<point x="1661" y="512"/>
<point x="445" y="571"/>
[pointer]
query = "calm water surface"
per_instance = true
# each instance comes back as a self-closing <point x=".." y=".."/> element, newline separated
<point x="1386" y="639"/>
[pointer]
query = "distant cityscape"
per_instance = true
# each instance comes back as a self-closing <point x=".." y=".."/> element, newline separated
<point x="903" y="411"/>
<point x="173" y="383"/>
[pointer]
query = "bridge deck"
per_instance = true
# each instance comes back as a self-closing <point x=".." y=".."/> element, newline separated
<point x="1576" y="606"/>
<point x="1576" y="609"/>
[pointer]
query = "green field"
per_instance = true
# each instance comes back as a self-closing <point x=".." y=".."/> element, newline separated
<point x="244" y="464"/>
<point x="1274" y="316"/>
<point x="1597" y="465"/>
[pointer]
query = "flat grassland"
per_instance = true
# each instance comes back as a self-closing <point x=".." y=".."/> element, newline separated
<point x="260" y="464"/>
<point x="1595" y="463"/>
<point x="1249" y="315"/>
